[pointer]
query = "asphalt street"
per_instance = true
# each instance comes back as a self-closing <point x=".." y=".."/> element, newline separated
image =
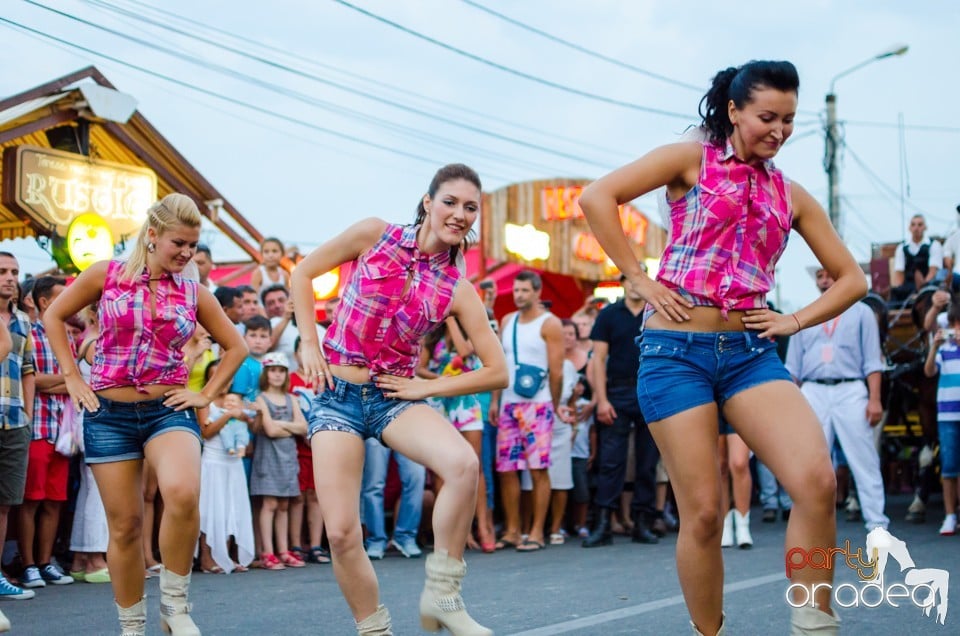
<point x="622" y="589"/>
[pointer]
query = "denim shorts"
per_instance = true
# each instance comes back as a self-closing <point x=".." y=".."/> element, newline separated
<point x="361" y="409"/>
<point x="949" y="434"/>
<point x="118" y="431"/>
<point x="680" y="370"/>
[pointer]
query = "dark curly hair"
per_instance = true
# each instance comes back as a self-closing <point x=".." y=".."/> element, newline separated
<point x="738" y="84"/>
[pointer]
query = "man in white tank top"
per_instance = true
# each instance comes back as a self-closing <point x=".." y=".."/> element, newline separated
<point x="525" y="424"/>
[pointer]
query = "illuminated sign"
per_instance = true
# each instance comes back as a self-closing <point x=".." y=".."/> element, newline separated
<point x="327" y="285"/>
<point x="527" y="242"/>
<point x="51" y="188"/>
<point x="89" y="240"/>
<point x="611" y="292"/>
<point x="586" y="247"/>
<point x="561" y="203"/>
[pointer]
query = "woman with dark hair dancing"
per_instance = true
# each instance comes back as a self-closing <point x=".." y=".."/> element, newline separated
<point x="707" y="345"/>
<point x="407" y="280"/>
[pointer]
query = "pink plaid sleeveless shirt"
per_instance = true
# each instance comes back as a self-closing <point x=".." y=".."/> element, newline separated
<point x="378" y="325"/>
<point x="728" y="232"/>
<point x="135" y="348"/>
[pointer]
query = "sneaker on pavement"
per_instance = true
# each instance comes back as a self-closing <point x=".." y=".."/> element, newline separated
<point x="52" y="574"/>
<point x="10" y="592"/>
<point x="31" y="577"/>
<point x="949" y="526"/>
<point x="375" y="552"/>
<point x="917" y="512"/>
<point x="407" y="548"/>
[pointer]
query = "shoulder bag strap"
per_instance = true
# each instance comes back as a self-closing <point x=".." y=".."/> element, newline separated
<point x="516" y="354"/>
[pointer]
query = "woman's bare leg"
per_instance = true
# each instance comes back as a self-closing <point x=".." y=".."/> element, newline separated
<point x="176" y="456"/>
<point x="122" y="494"/>
<point x="424" y="436"/>
<point x="149" y="512"/>
<point x="738" y="455"/>
<point x="776" y="421"/>
<point x="338" y="471"/>
<point x="688" y="446"/>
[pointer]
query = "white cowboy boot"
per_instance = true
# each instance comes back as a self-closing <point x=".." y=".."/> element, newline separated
<point x="133" y="619"/>
<point x="726" y="539"/>
<point x="174" y="608"/>
<point x="720" y="632"/>
<point x="441" y="604"/>
<point x="741" y="523"/>
<point x="377" y="624"/>
<point x="810" y="621"/>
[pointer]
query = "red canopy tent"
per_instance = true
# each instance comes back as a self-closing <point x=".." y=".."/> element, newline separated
<point x="566" y="293"/>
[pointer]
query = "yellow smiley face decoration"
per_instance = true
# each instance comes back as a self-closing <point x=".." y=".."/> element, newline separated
<point x="89" y="240"/>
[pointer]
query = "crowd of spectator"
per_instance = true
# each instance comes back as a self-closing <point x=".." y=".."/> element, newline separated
<point x="568" y="457"/>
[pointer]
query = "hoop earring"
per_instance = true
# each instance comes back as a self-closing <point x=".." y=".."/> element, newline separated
<point x="151" y="247"/>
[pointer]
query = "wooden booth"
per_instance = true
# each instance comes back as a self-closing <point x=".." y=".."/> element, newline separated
<point x="81" y="165"/>
<point x="539" y="225"/>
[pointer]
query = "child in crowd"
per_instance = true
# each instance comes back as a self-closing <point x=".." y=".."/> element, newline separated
<point x="246" y="382"/>
<point x="234" y="435"/>
<point x="581" y="458"/>
<point x="270" y="272"/>
<point x="944" y="357"/>
<point x="305" y="391"/>
<point x="274" y="474"/>
<point x="224" y="498"/>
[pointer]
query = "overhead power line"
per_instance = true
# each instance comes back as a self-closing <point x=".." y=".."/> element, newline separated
<point x="583" y="49"/>
<point x="518" y="73"/>
<point x="882" y="124"/>
<point x="460" y="109"/>
<point x="318" y="102"/>
<point x="231" y="100"/>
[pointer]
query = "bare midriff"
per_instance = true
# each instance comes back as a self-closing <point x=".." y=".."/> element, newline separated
<point x="350" y="373"/>
<point x="702" y="319"/>
<point x="131" y="394"/>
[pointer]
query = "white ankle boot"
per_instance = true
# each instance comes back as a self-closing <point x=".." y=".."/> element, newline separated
<point x="726" y="539"/>
<point x="720" y="632"/>
<point x="377" y="624"/>
<point x="741" y="523"/>
<point x="174" y="608"/>
<point x="133" y="619"/>
<point x="4" y="623"/>
<point x="810" y="621"/>
<point x="441" y="604"/>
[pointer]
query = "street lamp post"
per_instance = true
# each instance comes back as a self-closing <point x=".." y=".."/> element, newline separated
<point x="833" y="135"/>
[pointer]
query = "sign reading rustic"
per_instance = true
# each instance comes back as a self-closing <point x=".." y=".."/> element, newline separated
<point x="52" y="187"/>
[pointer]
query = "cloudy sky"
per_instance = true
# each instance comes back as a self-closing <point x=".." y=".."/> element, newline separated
<point x="314" y="114"/>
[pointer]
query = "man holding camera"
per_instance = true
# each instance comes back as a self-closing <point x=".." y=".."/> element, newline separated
<point x="838" y="366"/>
<point x="524" y="412"/>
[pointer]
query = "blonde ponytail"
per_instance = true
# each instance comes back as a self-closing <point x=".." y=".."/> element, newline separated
<point x="168" y="211"/>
